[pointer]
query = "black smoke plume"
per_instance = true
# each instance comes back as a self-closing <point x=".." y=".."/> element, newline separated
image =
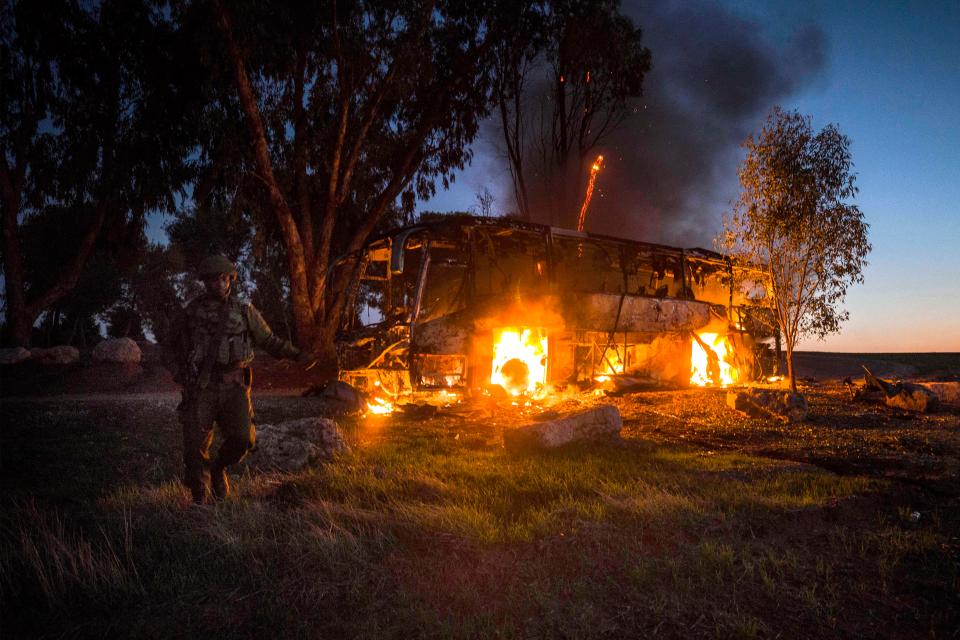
<point x="670" y="169"/>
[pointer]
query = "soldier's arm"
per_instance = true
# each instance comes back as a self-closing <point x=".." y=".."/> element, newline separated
<point x="264" y="337"/>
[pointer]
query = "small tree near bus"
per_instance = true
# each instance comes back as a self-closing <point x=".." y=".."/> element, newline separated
<point x="794" y="219"/>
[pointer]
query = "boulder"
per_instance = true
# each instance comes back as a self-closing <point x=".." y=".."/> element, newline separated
<point x="117" y="350"/>
<point x="602" y="422"/>
<point x="294" y="444"/>
<point x="62" y="354"/>
<point x="14" y="355"/>
<point x="776" y="404"/>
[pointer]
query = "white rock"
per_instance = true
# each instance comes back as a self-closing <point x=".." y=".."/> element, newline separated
<point x="63" y="354"/>
<point x="294" y="444"/>
<point x="117" y="350"/>
<point x="14" y="355"/>
<point x="600" y="422"/>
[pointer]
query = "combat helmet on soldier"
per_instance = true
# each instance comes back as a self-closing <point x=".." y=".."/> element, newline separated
<point x="216" y="265"/>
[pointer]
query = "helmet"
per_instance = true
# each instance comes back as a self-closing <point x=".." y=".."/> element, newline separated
<point x="213" y="266"/>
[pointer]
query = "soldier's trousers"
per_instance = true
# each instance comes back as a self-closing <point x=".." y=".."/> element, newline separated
<point x="228" y="405"/>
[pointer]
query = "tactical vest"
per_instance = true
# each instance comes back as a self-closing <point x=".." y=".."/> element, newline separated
<point x="203" y="319"/>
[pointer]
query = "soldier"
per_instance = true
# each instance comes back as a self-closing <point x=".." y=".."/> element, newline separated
<point x="213" y="340"/>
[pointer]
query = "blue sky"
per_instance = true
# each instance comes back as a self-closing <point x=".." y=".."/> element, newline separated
<point x="891" y="82"/>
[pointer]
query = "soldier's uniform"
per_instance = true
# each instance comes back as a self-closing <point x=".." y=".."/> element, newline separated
<point x="220" y="392"/>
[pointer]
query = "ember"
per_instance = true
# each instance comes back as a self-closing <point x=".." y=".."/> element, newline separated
<point x="594" y="169"/>
<point x="519" y="359"/>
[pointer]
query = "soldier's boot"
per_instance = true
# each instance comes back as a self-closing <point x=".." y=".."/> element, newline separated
<point x="219" y="483"/>
<point x="199" y="486"/>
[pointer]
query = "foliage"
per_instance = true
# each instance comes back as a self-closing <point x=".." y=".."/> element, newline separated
<point x="94" y="130"/>
<point x="793" y="219"/>
<point x="563" y="86"/>
<point x="332" y="118"/>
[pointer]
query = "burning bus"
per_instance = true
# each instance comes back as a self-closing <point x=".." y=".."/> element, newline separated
<point x="463" y="302"/>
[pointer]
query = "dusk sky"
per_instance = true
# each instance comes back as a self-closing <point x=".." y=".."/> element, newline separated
<point x="888" y="74"/>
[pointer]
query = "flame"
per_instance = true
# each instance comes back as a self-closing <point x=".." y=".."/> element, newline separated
<point x="594" y="169"/>
<point x="519" y="359"/>
<point x="713" y="369"/>
<point x="379" y="406"/>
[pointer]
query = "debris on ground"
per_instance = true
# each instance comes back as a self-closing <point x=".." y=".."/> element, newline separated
<point x="340" y="397"/>
<point x="776" y="404"/>
<point x="908" y="396"/>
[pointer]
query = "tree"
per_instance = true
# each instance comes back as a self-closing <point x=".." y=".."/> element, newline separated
<point x="352" y="110"/>
<point x="563" y="86"/>
<point x="94" y="128"/>
<point x="793" y="219"/>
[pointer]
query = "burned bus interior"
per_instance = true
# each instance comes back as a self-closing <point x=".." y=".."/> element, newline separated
<point x="466" y="303"/>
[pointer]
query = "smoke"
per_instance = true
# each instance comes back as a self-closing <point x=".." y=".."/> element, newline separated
<point x="670" y="169"/>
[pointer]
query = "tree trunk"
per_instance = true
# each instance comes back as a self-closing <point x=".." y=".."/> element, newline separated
<point x="21" y="327"/>
<point x="791" y="372"/>
<point x="303" y="316"/>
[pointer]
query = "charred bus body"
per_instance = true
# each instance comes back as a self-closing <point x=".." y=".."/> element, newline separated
<point x="463" y="302"/>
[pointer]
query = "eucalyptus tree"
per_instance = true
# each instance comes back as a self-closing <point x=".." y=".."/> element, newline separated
<point x="794" y="219"/>
<point x="95" y="129"/>
<point x="351" y="110"/>
<point x="565" y="82"/>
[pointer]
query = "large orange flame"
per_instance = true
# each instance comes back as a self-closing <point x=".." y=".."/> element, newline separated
<point x="519" y="359"/>
<point x="708" y="361"/>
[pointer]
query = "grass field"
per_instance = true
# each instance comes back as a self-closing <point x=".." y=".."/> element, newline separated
<point x="698" y="523"/>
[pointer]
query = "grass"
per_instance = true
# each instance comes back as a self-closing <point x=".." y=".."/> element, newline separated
<point x="425" y="531"/>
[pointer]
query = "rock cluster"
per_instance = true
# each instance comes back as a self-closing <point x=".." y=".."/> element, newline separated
<point x="63" y="354"/>
<point x="14" y="355"/>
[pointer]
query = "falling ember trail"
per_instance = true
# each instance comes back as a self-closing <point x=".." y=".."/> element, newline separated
<point x="594" y="170"/>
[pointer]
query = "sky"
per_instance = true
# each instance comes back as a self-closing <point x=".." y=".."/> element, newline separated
<point x="886" y="73"/>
